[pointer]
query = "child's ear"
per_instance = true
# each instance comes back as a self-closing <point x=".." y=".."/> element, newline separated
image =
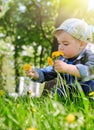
<point x="82" y="44"/>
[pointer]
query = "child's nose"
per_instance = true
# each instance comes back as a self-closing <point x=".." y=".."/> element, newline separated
<point x="60" y="47"/>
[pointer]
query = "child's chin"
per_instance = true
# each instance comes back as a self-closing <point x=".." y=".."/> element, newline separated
<point x="66" y="57"/>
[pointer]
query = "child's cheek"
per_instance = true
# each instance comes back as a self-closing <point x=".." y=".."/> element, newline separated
<point x="69" y="54"/>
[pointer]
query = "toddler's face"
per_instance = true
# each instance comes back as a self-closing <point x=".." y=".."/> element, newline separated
<point x="68" y="44"/>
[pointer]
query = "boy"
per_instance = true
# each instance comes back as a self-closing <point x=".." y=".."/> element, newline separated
<point x="78" y="60"/>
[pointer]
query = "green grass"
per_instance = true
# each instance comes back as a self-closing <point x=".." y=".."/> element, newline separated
<point x="45" y="113"/>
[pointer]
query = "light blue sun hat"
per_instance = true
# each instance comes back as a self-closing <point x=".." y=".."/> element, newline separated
<point x="77" y="28"/>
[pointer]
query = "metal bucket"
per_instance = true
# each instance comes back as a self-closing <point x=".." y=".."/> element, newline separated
<point x="27" y="86"/>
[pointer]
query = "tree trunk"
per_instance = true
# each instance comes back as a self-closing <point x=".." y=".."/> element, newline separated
<point x="16" y="68"/>
<point x="50" y="84"/>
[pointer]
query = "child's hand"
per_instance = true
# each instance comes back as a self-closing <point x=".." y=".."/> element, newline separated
<point x="60" y="66"/>
<point x="63" y="67"/>
<point x="32" y="73"/>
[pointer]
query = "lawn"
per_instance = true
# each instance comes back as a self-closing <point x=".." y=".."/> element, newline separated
<point x="46" y="113"/>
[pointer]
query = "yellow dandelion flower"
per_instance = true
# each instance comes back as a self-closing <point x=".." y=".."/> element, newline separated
<point x="91" y="94"/>
<point x="2" y="92"/>
<point x="31" y="128"/>
<point x="33" y="109"/>
<point x="57" y="54"/>
<point x="27" y="67"/>
<point x="70" y="118"/>
<point x="50" y="61"/>
<point x="61" y="53"/>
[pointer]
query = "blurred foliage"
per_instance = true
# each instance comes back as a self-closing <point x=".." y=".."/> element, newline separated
<point x="26" y="28"/>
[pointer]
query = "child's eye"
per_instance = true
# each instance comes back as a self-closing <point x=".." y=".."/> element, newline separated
<point x="65" y="44"/>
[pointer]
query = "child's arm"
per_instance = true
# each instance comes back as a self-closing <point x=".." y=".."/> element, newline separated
<point x="41" y="75"/>
<point x="63" y="67"/>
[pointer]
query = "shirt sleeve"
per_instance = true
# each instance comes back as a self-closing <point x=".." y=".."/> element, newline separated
<point x="84" y="70"/>
<point x="46" y="74"/>
<point x="87" y="69"/>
